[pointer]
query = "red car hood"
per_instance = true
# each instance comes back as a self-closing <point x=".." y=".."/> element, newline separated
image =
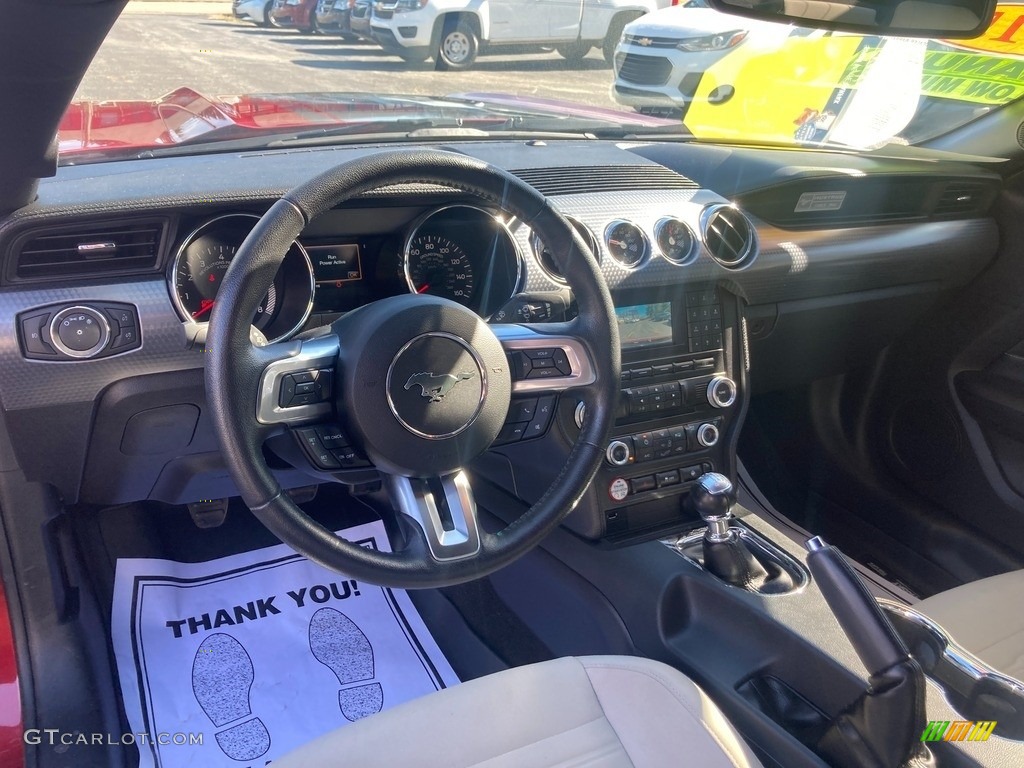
<point x="185" y="115"/>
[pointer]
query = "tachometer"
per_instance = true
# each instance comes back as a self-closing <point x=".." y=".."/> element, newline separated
<point x="436" y="265"/>
<point x="198" y="276"/>
<point x="203" y="259"/>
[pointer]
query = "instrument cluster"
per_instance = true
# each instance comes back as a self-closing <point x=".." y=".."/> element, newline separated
<point x="459" y="252"/>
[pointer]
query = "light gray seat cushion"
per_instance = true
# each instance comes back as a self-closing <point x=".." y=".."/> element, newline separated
<point x="985" y="618"/>
<point x="596" y="711"/>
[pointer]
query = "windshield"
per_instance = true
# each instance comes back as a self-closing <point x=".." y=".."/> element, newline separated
<point x="192" y="75"/>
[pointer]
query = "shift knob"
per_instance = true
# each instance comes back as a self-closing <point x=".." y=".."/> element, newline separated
<point x="713" y="497"/>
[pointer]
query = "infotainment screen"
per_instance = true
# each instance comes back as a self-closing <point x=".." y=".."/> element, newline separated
<point x="643" y="325"/>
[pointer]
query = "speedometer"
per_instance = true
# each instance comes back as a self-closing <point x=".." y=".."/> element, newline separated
<point x="436" y="265"/>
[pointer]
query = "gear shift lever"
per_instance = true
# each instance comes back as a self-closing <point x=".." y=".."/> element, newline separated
<point x="713" y="497"/>
<point x="726" y="554"/>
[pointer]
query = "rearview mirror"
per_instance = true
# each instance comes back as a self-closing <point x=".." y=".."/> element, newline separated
<point x="903" y="18"/>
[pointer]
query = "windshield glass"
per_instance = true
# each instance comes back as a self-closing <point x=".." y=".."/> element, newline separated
<point x="194" y="75"/>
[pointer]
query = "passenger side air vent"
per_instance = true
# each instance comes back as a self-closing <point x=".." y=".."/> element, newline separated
<point x="602" y="178"/>
<point x="88" y="250"/>
<point x="960" y="197"/>
<point x="728" y="235"/>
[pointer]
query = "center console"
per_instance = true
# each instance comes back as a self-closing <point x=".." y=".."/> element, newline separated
<point x="680" y="405"/>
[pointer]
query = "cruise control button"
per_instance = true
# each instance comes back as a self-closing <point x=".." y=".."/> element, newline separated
<point x="332" y="436"/>
<point x="511" y="433"/>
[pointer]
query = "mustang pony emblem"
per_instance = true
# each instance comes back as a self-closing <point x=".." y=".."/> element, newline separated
<point x="436" y="386"/>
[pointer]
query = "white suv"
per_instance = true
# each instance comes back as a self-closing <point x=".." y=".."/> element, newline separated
<point x="661" y="58"/>
<point x="455" y="31"/>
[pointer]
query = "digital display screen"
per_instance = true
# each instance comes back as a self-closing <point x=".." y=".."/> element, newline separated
<point x="643" y="325"/>
<point x="336" y="264"/>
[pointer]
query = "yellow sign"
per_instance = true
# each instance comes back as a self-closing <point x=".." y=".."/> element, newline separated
<point x="1005" y="35"/>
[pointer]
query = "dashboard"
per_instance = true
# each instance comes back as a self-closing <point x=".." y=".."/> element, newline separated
<point x="731" y="269"/>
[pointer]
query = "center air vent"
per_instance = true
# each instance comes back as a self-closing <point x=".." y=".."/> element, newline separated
<point x="583" y="179"/>
<point x="547" y="261"/>
<point x="88" y="250"/>
<point x="728" y="235"/>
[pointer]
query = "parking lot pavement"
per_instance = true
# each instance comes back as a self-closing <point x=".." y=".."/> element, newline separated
<point x="148" y="54"/>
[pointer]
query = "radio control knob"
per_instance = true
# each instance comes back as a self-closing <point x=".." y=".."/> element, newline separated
<point x="619" y="453"/>
<point x="722" y="392"/>
<point x="707" y="435"/>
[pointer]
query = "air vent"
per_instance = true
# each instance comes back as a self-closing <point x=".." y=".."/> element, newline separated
<point x="728" y="235"/>
<point x="961" y="197"/>
<point x="547" y="261"/>
<point x="602" y="178"/>
<point x="107" y="248"/>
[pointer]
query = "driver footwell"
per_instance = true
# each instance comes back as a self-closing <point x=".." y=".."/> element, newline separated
<point x="243" y="658"/>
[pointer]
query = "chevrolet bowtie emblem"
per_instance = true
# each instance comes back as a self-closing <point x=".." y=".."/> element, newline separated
<point x="436" y="386"/>
<point x="644" y="41"/>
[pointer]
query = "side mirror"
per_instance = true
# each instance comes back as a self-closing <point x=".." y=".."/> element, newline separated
<point x="903" y="18"/>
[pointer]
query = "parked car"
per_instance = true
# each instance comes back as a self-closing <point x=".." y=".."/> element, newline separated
<point x="334" y="17"/>
<point x="253" y="10"/>
<point x="454" y="32"/>
<point x="294" y="14"/>
<point x="359" y="19"/>
<point x="661" y="57"/>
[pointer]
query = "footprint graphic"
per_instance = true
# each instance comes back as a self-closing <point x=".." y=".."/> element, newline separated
<point x="222" y="676"/>
<point x="341" y="646"/>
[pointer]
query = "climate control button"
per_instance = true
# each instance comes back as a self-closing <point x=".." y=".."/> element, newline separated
<point x="707" y="435"/>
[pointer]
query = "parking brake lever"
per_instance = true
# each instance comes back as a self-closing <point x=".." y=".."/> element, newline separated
<point x="883" y="726"/>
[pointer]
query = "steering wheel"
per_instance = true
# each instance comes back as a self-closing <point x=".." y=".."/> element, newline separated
<point x="421" y="384"/>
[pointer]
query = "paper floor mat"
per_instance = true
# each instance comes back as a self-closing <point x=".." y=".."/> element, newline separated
<point x="255" y="654"/>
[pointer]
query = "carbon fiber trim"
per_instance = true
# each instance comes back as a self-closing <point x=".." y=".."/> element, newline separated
<point x="33" y="383"/>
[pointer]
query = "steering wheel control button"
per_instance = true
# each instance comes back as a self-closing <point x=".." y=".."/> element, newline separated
<point x="618" y="489"/>
<point x="320" y="455"/>
<point x="80" y="332"/>
<point x="436" y="386"/>
<point x="332" y="437"/>
<point x="305" y="388"/>
<point x="542" y="418"/>
<point x="511" y="433"/>
<point x="522" y="409"/>
<point x="541" y="363"/>
<point x="721" y="392"/>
